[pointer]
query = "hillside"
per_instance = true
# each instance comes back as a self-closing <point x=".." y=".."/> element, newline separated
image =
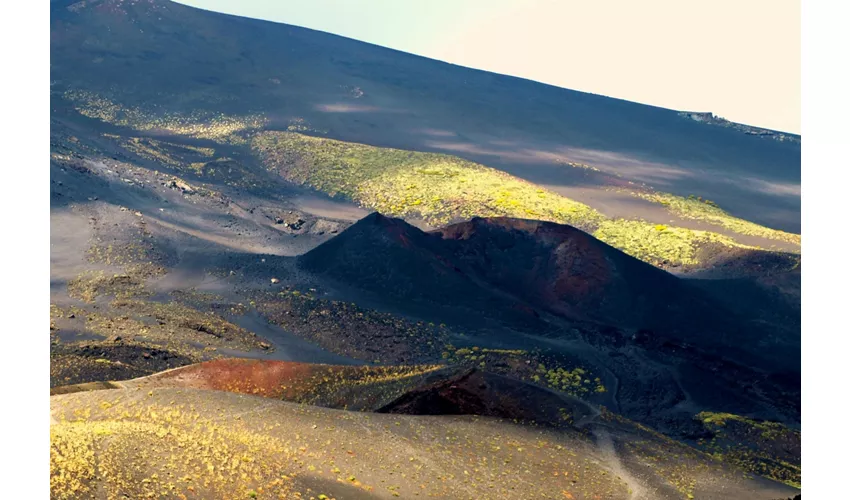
<point x="415" y="389"/>
<point x="273" y="448"/>
<point x="570" y="272"/>
<point x="568" y="295"/>
<point x="517" y="270"/>
<point x="166" y="68"/>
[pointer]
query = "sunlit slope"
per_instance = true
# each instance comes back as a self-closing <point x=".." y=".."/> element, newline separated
<point x="211" y="444"/>
<point x="171" y="59"/>
<point x="433" y="187"/>
<point x="442" y="188"/>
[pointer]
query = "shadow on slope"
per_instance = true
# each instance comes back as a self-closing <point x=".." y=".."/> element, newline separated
<point x="521" y="271"/>
<point x="413" y="390"/>
<point x="176" y="59"/>
<point x="275" y="447"/>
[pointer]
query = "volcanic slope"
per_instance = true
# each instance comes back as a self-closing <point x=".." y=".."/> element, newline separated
<point x="130" y="233"/>
<point x="415" y="389"/>
<point x="175" y="219"/>
<point x="527" y="268"/>
<point x="274" y="448"/>
<point x="662" y="348"/>
<point x="252" y="139"/>
<point x="163" y="68"/>
<point x="441" y="189"/>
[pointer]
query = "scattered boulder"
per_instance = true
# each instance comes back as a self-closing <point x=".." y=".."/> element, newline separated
<point x="323" y="226"/>
<point x="296" y="225"/>
<point x="181" y="185"/>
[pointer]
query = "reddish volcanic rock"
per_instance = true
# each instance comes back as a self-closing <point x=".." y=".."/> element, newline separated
<point x="415" y="389"/>
<point x="514" y="270"/>
<point x="246" y="376"/>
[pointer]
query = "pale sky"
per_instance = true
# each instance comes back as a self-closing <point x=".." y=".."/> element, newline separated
<point x="739" y="59"/>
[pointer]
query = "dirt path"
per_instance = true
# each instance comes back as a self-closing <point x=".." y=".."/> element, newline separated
<point x="606" y="445"/>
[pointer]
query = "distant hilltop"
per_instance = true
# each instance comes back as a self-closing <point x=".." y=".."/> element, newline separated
<point x="710" y="118"/>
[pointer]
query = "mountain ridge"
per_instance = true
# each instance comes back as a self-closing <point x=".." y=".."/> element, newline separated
<point x="503" y="267"/>
<point x="212" y="179"/>
<point x="364" y="93"/>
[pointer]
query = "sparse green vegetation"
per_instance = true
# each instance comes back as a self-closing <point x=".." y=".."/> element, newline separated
<point x="527" y="366"/>
<point x="169" y="442"/>
<point x="299" y="124"/>
<point x="573" y="164"/>
<point x="166" y="153"/>
<point x="678" y="464"/>
<point x="188" y="160"/>
<point x="441" y="188"/>
<point x="349" y="330"/>
<point x="201" y="125"/>
<point x="436" y="187"/>
<point x="230" y="172"/>
<point x="696" y="208"/>
<point x="768" y="430"/>
<point x="768" y="449"/>
<point x="131" y="338"/>
<point x="188" y="95"/>
<point x="75" y="362"/>
<point x="658" y="244"/>
<point x="206" y="327"/>
<point x="91" y="284"/>
<point x="576" y="381"/>
<point x="142" y="458"/>
<point x="362" y="388"/>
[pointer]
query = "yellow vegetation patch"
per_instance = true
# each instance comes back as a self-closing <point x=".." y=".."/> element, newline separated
<point x="527" y="366"/>
<point x="757" y="447"/>
<point x="659" y="244"/>
<point x="165" y="443"/>
<point x="436" y="187"/>
<point x="357" y="388"/>
<point x="707" y="211"/>
<point x="442" y="188"/>
<point x="200" y="125"/>
<point x="165" y="452"/>
<point x="90" y="284"/>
